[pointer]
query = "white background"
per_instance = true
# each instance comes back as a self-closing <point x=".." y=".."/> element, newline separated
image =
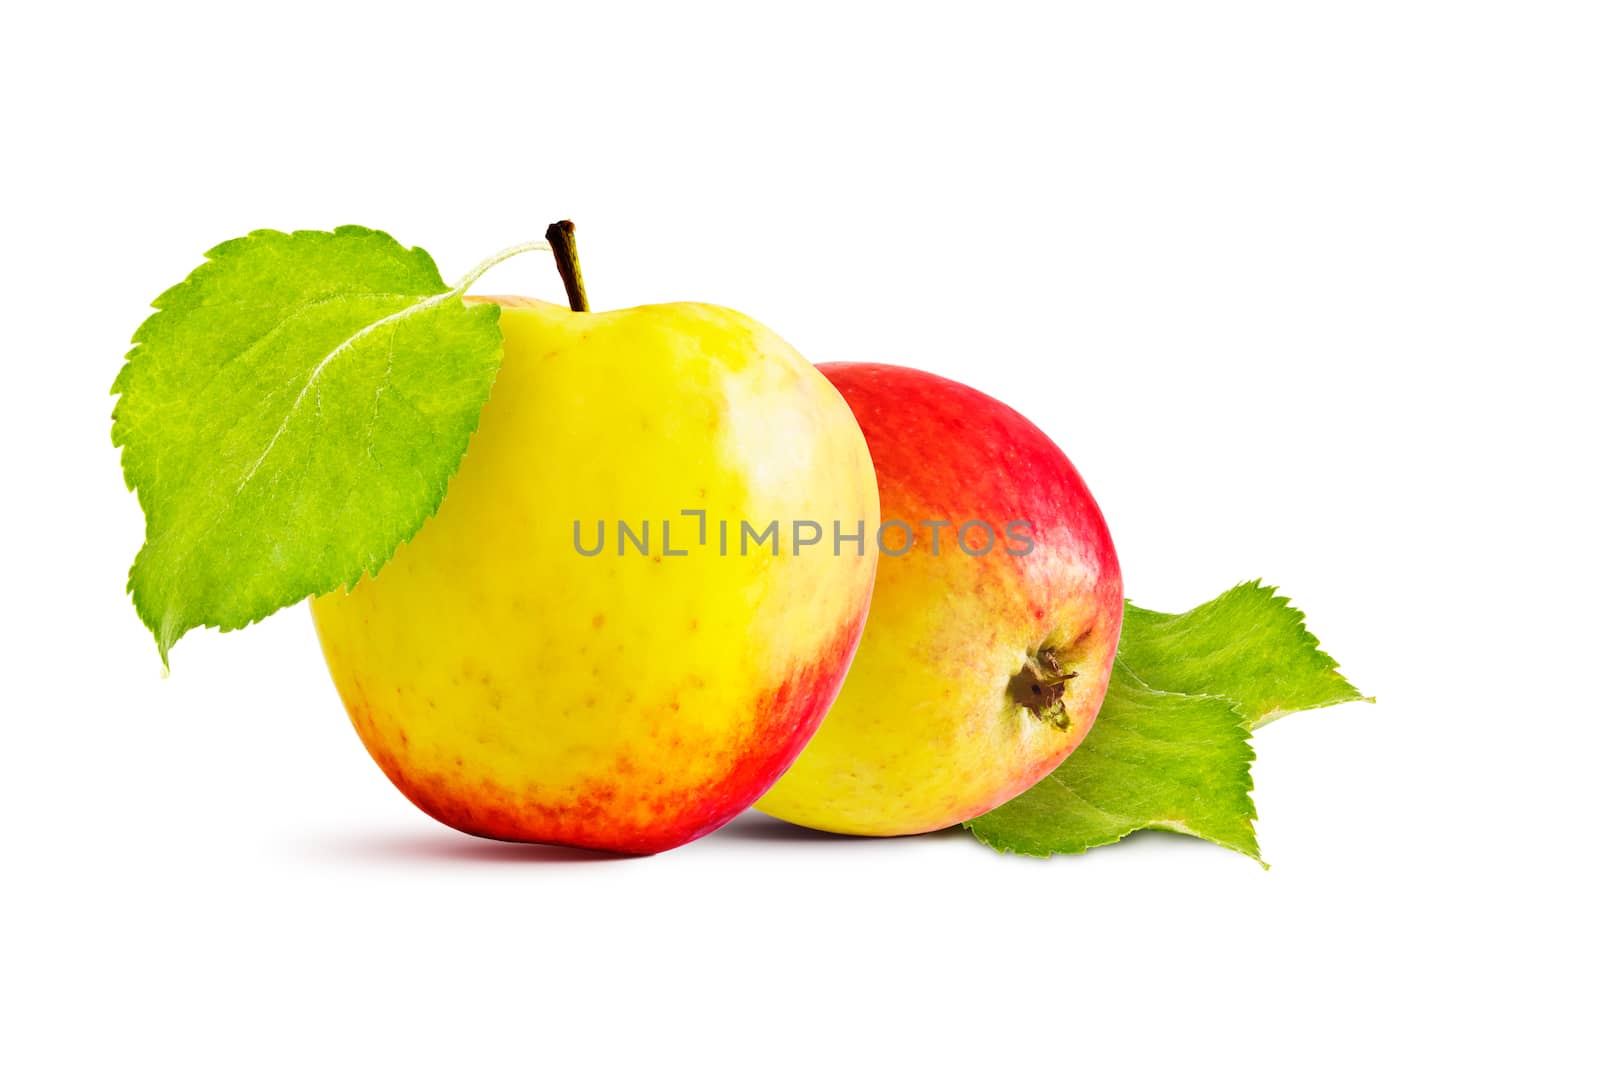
<point x="1306" y="294"/>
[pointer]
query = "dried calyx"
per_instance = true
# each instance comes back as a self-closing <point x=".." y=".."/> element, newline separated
<point x="1041" y="687"/>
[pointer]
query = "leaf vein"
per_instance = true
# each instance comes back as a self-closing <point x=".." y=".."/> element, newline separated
<point x="316" y="372"/>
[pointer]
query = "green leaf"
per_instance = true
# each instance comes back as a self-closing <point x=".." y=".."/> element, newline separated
<point x="289" y="416"/>
<point x="1170" y="748"/>
<point x="1154" y="760"/>
<point x="1248" y="645"/>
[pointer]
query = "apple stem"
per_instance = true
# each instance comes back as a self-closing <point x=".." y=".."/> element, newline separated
<point x="565" y="247"/>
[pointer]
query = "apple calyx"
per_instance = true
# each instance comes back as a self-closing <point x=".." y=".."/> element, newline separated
<point x="1041" y="685"/>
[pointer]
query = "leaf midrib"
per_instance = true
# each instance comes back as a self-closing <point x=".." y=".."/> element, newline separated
<point x="346" y="345"/>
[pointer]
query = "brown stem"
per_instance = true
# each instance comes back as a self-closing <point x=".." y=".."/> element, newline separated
<point x="565" y="247"/>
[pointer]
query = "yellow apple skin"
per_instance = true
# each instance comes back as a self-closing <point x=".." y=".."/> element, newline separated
<point x="928" y="730"/>
<point x="514" y="688"/>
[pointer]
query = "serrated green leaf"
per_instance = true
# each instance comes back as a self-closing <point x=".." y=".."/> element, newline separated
<point x="290" y="414"/>
<point x="1170" y="748"/>
<point x="1248" y="645"/>
<point x="1154" y="760"/>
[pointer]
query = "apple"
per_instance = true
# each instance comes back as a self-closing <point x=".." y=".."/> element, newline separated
<point x="990" y="639"/>
<point x="517" y="682"/>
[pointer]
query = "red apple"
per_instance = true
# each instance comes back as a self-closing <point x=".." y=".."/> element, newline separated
<point x="993" y="622"/>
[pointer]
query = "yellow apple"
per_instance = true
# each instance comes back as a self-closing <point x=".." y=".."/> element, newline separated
<point x="514" y="683"/>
